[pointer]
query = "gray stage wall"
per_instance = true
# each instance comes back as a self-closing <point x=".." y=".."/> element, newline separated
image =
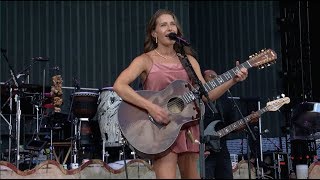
<point x="95" y="40"/>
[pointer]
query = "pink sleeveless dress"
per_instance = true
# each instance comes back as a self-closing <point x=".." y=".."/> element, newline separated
<point x="158" y="78"/>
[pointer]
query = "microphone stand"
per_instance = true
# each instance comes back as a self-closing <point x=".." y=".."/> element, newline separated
<point x="248" y="131"/>
<point x="274" y="144"/>
<point x="198" y="94"/>
<point x="278" y="150"/>
<point x="18" y="111"/>
<point x="74" y="130"/>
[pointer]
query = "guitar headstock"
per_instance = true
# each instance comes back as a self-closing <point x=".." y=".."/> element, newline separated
<point x="276" y="104"/>
<point x="263" y="58"/>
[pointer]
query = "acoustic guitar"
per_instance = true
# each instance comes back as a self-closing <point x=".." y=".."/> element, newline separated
<point x="151" y="139"/>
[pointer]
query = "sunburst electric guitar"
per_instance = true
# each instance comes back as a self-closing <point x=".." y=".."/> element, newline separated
<point x="151" y="139"/>
<point x="271" y="106"/>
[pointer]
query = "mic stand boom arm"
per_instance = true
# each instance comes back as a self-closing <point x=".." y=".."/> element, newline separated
<point x="24" y="70"/>
<point x="12" y="73"/>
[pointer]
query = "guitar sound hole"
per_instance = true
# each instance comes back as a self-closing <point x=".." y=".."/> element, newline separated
<point x="175" y="105"/>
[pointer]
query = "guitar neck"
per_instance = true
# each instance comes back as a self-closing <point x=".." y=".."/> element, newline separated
<point x="228" y="129"/>
<point x="209" y="86"/>
<point x="225" y="76"/>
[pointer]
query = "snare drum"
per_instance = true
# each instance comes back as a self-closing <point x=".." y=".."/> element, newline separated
<point x="107" y="113"/>
<point x="85" y="104"/>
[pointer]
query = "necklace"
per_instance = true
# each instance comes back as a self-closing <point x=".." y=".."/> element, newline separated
<point x="164" y="56"/>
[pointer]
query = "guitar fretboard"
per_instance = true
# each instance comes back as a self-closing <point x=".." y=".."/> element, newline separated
<point x="189" y="96"/>
<point x="225" y="76"/>
<point x="239" y="123"/>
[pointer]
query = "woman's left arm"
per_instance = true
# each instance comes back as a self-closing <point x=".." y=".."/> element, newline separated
<point x="218" y="91"/>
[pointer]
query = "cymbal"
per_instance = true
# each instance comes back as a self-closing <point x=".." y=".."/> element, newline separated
<point x="31" y="88"/>
<point x="306" y="126"/>
<point x="107" y="88"/>
<point x="308" y="120"/>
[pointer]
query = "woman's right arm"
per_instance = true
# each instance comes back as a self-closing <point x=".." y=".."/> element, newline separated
<point x="122" y="84"/>
<point x="122" y="88"/>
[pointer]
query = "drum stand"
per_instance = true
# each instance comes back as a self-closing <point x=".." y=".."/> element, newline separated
<point x="105" y="154"/>
<point x="37" y="136"/>
<point x="9" y="124"/>
<point x="74" y="164"/>
<point x="123" y="144"/>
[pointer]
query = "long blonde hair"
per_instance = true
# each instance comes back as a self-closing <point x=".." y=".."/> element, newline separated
<point x="150" y="43"/>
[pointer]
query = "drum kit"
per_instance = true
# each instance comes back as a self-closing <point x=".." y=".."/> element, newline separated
<point x="100" y="106"/>
<point x="87" y="107"/>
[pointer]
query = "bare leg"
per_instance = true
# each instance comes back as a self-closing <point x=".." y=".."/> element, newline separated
<point x="165" y="167"/>
<point x="188" y="165"/>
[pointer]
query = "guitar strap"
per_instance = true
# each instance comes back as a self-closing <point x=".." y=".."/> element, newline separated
<point x="220" y="109"/>
<point x="212" y="144"/>
<point x="192" y="75"/>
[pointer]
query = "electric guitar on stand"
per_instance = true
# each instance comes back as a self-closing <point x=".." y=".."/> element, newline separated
<point x="152" y="139"/>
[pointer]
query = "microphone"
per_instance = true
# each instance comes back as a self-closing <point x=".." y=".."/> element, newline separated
<point x="266" y="131"/>
<point x="174" y="36"/>
<point x="55" y="68"/>
<point x="40" y="59"/>
<point x="76" y="83"/>
<point x="244" y="98"/>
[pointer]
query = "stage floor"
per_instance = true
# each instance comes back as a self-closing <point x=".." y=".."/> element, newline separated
<point x="97" y="169"/>
<point x="92" y="169"/>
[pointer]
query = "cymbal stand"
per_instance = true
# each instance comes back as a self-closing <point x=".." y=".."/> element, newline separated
<point x="10" y="130"/>
<point x="51" y="142"/>
<point x="9" y="100"/>
<point x="8" y="122"/>
<point x="74" y="140"/>
<point x="75" y="132"/>
<point x="10" y="134"/>
<point x="37" y="109"/>
<point x="18" y="118"/>
<point x="17" y="99"/>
